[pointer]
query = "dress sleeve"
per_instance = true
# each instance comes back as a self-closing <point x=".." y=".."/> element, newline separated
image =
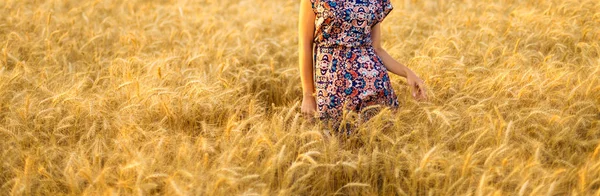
<point x="384" y="9"/>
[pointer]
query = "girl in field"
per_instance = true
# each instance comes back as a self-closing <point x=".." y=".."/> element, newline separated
<point x="342" y="63"/>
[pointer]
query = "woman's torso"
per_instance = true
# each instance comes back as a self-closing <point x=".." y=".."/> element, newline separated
<point x="345" y="22"/>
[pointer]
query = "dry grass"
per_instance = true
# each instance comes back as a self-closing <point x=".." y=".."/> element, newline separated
<point x="185" y="97"/>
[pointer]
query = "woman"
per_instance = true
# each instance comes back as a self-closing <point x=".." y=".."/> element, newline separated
<point x="350" y="67"/>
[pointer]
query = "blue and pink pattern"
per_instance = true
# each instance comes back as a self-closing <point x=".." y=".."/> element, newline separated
<point x="348" y="72"/>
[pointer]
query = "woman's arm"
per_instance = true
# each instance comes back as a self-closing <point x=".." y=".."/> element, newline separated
<point x="388" y="61"/>
<point x="395" y="67"/>
<point x="306" y="28"/>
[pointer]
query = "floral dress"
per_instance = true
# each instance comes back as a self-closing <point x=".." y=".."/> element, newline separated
<point x="348" y="73"/>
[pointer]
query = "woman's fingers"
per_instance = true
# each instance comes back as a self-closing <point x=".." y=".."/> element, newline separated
<point x="421" y="91"/>
<point x="308" y="115"/>
<point x="308" y="112"/>
<point x="415" y="90"/>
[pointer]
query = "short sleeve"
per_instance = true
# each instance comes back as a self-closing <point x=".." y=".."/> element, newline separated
<point x="384" y="9"/>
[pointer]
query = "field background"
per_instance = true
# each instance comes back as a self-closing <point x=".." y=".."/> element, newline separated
<point x="202" y="97"/>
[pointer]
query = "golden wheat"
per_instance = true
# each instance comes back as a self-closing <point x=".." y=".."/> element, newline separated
<point x="202" y="97"/>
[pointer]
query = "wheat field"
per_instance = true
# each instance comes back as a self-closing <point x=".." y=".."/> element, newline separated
<point x="178" y="97"/>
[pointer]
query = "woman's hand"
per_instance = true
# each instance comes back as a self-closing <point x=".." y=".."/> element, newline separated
<point x="309" y="106"/>
<point x="416" y="85"/>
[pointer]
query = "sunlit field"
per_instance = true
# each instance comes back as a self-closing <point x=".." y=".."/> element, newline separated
<point x="177" y="97"/>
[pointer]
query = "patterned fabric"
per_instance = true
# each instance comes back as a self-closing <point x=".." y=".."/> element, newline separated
<point x="348" y="72"/>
